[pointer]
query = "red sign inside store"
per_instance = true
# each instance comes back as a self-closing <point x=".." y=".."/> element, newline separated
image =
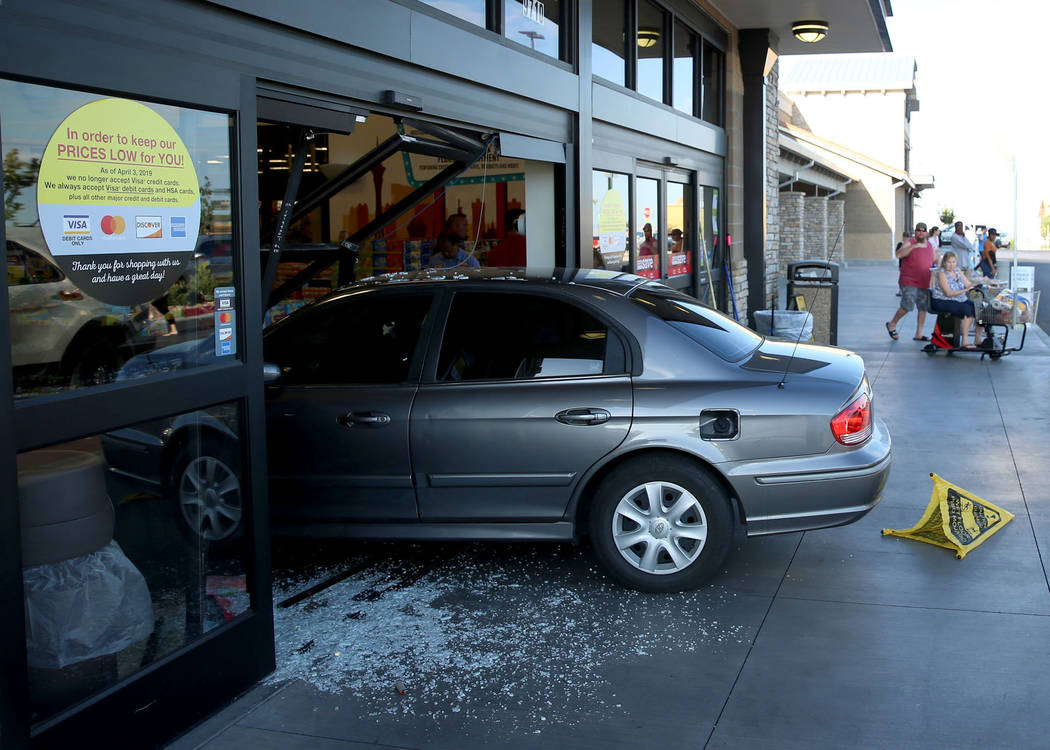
<point x="679" y="264"/>
<point x="645" y="266"/>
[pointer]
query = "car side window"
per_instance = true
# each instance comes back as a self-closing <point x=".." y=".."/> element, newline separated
<point x="512" y="336"/>
<point x="364" y="339"/>
<point x="25" y="266"/>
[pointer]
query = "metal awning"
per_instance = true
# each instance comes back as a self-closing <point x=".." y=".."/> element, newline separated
<point x="854" y="25"/>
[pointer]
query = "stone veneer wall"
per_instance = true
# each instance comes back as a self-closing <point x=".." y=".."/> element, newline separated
<point x="815" y="228"/>
<point x="792" y="236"/>
<point x="836" y="230"/>
<point x="772" y="193"/>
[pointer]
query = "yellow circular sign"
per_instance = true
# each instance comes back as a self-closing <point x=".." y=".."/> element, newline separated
<point x="115" y="181"/>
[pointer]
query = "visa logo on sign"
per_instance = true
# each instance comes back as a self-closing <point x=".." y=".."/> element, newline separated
<point x="74" y="224"/>
<point x="148" y="227"/>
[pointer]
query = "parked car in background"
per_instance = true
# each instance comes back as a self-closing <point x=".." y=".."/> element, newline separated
<point x="501" y="404"/>
<point x="58" y="333"/>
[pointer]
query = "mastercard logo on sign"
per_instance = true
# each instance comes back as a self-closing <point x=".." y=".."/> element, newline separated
<point x="225" y="317"/>
<point x="113" y="225"/>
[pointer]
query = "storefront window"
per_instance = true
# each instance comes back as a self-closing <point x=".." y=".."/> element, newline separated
<point x="119" y="235"/>
<point x="485" y="206"/>
<point x="471" y="11"/>
<point x="131" y="550"/>
<point x="679" y="243"/>
<point x="684" y="68"/>
<point x="651" y="45"/>
<point x="647" y="220"/>
<point x="611" y="209"/>
<point x="533" y="24"/>
<point x="608" y="55"/>
<point x="713" y="72"/>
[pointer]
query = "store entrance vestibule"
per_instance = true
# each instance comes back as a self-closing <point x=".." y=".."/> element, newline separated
<point x="660" y="223"/>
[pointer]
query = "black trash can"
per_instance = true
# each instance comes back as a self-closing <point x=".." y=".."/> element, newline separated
<point x="814" y="286"/>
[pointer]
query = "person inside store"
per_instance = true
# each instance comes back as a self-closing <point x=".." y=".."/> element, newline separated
<point x="676" y="240"/>
<point x="448" y="254"/>
<point x="916" y="256"/>
<point x="948" y="295"/>
<point x="987" y="264"/>
<point x="510" y="252"/>
<point x="456" y="226"/>
<point x="648" y="246"/>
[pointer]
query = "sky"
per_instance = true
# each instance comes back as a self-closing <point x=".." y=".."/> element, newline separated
<point x="983" y="108"/>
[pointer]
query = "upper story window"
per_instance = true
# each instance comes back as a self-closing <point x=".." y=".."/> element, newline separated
<point x="609" y="48"/>
<point x="713" y="84"/>
<point x="535" y="24"/>
<point x="683" y="69"/>
<point x="644" y="46"/>
<point x="471" y="11"/>
<point x="652" y="36"/>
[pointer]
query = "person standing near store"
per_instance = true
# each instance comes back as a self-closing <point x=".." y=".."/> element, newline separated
<point x="916" y="256"/>
<point x="962" y="247"/>
<point x="987" y="264"/>
<point x="905" y="236"/>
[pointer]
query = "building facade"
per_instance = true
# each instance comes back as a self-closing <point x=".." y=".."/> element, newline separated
<point x="162" y="157"/>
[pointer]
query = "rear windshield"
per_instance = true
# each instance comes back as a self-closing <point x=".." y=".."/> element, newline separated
<point x="709" y="328"/>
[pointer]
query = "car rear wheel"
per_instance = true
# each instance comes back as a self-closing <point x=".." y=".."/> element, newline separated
<point x="205" y="490"/>
<point x="661" y="524"/>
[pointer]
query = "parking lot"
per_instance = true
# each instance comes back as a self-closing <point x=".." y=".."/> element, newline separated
<point x="823" y="639"/>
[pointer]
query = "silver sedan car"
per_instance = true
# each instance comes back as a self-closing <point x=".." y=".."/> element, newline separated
<point x="507" y="405"/>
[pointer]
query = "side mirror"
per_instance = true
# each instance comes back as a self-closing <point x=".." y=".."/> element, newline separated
<point x="272" y="374"/>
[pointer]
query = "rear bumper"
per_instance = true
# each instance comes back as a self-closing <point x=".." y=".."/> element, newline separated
<point x="812" y="492"/>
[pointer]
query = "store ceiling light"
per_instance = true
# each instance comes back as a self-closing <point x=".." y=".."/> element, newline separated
<point x="809" y="31"/>
<point x="648" y="36"/>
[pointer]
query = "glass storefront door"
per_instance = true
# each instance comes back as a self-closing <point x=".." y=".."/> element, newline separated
<point x="648" y="227"/>
<point x="125" y="312"/>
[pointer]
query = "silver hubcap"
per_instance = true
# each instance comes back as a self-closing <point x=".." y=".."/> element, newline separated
<point x="210" y="498"/>
<point x="659" y="528"/>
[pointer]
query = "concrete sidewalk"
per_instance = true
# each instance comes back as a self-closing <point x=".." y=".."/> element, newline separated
<point x="826" y="639"/>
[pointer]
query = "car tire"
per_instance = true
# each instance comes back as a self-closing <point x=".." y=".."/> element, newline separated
<point x="206" y="493"/>
<point x="677" y="548"/>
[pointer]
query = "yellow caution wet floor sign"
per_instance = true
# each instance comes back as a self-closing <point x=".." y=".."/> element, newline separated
<point x="955" y="519"/>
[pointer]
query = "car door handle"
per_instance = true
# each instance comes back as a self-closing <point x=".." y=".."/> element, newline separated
<point x="583" y="416"/>
<point x="364" y="419"/>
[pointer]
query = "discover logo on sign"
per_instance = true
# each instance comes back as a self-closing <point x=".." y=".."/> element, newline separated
<point x="148" y="227"/>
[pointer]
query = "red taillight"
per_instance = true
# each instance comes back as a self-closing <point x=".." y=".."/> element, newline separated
<point x="852" y="425"/>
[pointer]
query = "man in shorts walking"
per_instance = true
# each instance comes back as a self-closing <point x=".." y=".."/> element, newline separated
<point x="916" y="256"/>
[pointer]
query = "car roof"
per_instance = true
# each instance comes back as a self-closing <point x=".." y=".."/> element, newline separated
<point x="612" y="282"/>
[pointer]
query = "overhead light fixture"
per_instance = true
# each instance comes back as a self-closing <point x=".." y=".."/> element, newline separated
<point x="648" y="36"/>
<point x="809" y="32"/>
